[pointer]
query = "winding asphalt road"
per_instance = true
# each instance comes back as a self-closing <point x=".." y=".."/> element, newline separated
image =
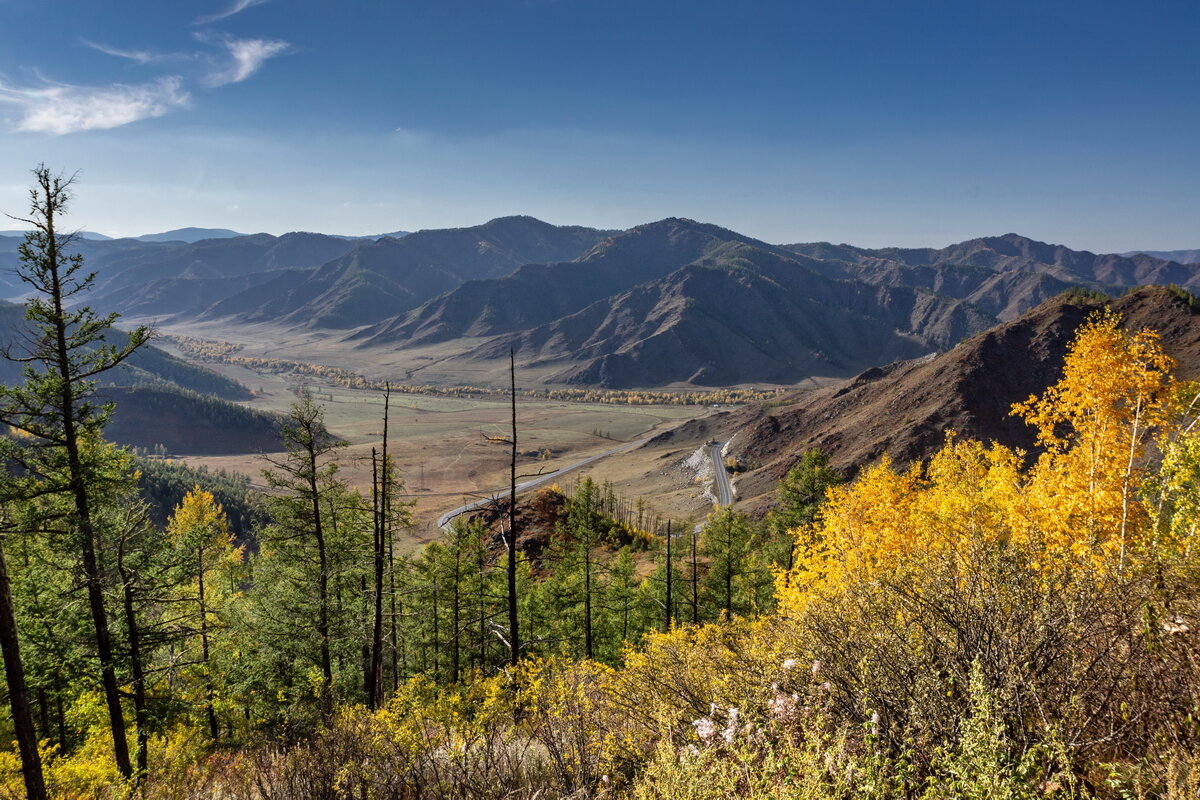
<point x="445" y="519"/>
<point x="721" y="479"/>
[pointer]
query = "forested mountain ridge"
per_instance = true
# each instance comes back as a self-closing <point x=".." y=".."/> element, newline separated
<point x="148" y="365"/>
<point x="161" y="401"/>
<point x="175" y="421"/>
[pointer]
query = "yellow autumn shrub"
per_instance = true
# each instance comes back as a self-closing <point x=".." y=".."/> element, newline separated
<point x="1063" y="583"/>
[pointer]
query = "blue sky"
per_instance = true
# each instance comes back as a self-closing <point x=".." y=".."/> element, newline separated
<point x="875" y="123"/>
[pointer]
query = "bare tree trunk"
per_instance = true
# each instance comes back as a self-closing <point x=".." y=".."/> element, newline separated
<point x="587" y="594"/>
<point x="695" y="583"/>
<point x="108" y="673"/>
<point x="382" y="529"/>
<point x="18" y="696"/>
<point x="456" y="615"/>
<point x="393" y="614"/>
<point x="437" y="640"/>
<point x="670" y="568"/>
<point x="322" y="579"/>
<point x="140" y="716"/>
<point x="514" y="640"/>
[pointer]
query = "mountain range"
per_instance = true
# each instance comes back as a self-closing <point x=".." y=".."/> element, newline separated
<point x="1182" y="256"/>
<point x="666" y="303"/>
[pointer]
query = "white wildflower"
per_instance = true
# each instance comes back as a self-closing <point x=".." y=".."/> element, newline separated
<point x="731" y="725"/>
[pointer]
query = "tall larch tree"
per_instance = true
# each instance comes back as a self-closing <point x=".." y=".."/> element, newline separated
<point x="54" y="409"/>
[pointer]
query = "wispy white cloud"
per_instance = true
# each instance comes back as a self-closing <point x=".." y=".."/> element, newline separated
<point x="247" y="56"/>
<point x="62" y="108"/>
<point x="237" y="7"/>
<point x="139" y="56"/>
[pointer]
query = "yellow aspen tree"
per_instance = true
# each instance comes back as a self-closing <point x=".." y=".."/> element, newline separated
<point x="200" y="530"/>
<point x="1095" y="424"/>
<point x="864" y="525"/>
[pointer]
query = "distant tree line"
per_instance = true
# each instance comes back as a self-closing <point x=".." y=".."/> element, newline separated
<point x="224" y="352"/>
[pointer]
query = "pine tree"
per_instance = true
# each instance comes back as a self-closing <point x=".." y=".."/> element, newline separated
<point x="800" y="494"/>
<point x="54" y="410"/>
<point x="313" y="562"/>
<point x="733" y="564"/>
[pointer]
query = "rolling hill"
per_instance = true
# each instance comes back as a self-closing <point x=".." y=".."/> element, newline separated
<point x="189" y="235"/>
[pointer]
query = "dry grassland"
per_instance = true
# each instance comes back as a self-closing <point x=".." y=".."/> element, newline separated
<point x="440" y="444"/>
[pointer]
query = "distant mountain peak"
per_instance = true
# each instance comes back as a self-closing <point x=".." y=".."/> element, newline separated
<point x="189" y="235"/>
<point x="514" y="218"/>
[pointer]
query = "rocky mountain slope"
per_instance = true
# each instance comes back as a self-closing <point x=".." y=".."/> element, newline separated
<point x="739" y="314"/>
<point x="1181" y="256"/>
<point x="536" y="294"/>
<point x="674" y="301"/>
<point x="905" y="409"/>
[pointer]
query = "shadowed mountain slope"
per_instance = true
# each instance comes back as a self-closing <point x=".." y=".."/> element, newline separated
<point x="186" y="278"/>
<point x="740" y="314"/>
<point x="161" y="399"/>
<point x="536" y="294"/>
<point x="906" y="408"/>
<point x="188" y="423"/>
<point x="148" y="365"/>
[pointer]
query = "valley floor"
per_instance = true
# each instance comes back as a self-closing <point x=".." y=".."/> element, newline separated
<point x="441" y="447"/>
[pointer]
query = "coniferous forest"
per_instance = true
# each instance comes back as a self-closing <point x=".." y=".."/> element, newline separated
<point x="990" y="623"/>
